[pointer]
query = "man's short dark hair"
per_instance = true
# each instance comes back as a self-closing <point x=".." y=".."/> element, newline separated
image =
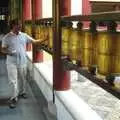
<point x="14" y="22"/>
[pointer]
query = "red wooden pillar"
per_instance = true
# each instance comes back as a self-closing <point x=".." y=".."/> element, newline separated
<point x="27" y="10"/>
<point x="61" y="78"/>
<point x="37" y="14"/>
<point x="27" y="15"/>
<point x="86" y="10"/>
<point x="66" y="8"/>
<point x="38" y="9"/>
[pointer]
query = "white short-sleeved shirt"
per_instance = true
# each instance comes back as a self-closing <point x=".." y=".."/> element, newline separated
<point x="16" y="43"/>
<point x="1" y="37"/>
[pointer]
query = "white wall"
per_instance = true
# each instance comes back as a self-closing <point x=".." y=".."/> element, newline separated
<point x="76" y="7"/>
<point x="47" y="8"/>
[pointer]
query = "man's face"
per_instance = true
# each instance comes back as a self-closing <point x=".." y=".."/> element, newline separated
<point x="17" y="27"/>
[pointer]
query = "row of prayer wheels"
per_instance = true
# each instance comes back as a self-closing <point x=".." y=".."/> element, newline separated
<point x="88" y="46"/>
<point x="44" y="30"/>
<point x="93" y="47"/>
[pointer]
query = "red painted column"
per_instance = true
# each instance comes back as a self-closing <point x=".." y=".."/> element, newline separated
<point x="37" y="14"/>
<point x="27" y="15"/>
<point x="38" y="9"/>
<point x="61" y="77"/>
<point x="27" y="10"/>
<point x="86" y="10"/>
<point x="66" y="8"/>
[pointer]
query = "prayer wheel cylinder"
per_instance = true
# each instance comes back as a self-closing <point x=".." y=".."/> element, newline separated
<point x="46" y="31"/>
<point x="41" y="31"/>
<point x="94" y="49"/>
<point x="50" y="30"/>
<point x="105" y="63"/>
<point x="37" y="32"/>
<point x="106" y="51"/>
<point x="87" y="48"/>
<point x="116" y="64"/>
<point x="14" y="9"/>
<point x="75" y="44"/>
<point x="66" y="32"/>
<point x="105" y="42"/>
<point x="117" y="54"/>
<point x="28" y="28"/>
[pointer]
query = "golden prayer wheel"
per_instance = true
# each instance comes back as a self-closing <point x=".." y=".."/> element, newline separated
<point x="41" y="31"/>
<point x="87" y="48"/>
<point x="75" y="44"/>
<point x="46" y="31"/>
<point x="65" y="48"/>
<point x="28" y="28"/>
<point x="106" y="52"/>
<point x="106" y="42"/>
<point x="105" y="63"/>
<point x="50" y="30"/>
<point x="37" y="32"/>
<point x="87" y="57"/>
<point x="66" y="32"/>
<point x="14" y="11"/>
<point x="116" y="61"/>
<point x="94" y="48"/>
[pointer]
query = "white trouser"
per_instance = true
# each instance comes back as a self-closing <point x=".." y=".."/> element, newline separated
<point x="17" y="78"/>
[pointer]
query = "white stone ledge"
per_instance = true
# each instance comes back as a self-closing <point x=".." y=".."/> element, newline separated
<point x="69" y="105"/>
<point x="76" y="106"/>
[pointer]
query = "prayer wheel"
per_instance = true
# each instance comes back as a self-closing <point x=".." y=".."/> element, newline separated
<point x="104" y="63"/>
<point x="75" y="43"/>
<point x="106" y="51"/>
<point x="46" y="33"/>
<point x="66" y="32"/>
<point x="87" y="48"/>
<point x="36" y="31"/>
<point x="105" y="42"/>
<point x="41" y="31"/>
<point x="93" y="31"/>
<point x="50" y="30"/>
<point x="116" y="59"/>
<point x="28" y="29"/>
<point x="15" y="9"/>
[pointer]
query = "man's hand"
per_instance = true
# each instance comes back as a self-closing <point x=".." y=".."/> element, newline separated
<point x="40" y="41"/>
<point x="12" y="53"/>
<point x="7" y="52"/>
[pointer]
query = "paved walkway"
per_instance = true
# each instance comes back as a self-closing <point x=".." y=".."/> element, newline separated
<point x="27" y="109"/>
<point x="104" y="103"/>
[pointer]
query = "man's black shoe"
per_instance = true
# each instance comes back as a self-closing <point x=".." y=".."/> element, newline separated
<point x="23" y="95"/>
<point x="12" y="103"/>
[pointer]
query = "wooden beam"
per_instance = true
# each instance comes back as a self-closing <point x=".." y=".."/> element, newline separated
<point x="103" y="16"/>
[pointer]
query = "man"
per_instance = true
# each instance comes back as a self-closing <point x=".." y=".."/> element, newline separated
<point x="13" y="45"/>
